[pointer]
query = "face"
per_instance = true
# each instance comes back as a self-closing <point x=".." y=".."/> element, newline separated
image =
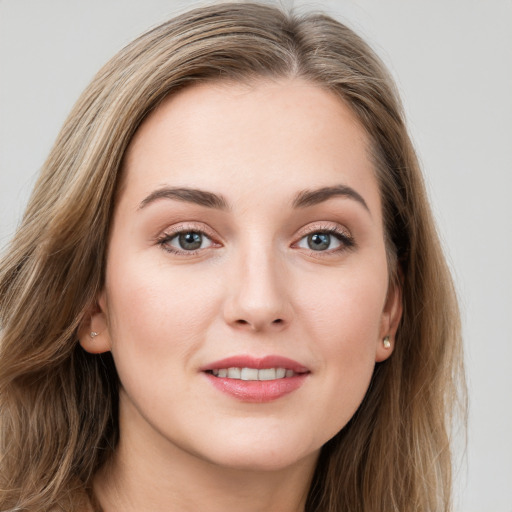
<point x="246" y="295"/>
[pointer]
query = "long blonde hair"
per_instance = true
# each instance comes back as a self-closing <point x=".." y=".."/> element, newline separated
<point x="58" y="404"/>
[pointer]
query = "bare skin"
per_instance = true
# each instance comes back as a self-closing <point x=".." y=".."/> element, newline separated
<point x="249" y="226"/>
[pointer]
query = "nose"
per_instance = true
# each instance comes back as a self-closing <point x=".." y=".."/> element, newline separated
<point x="258" y="295"/>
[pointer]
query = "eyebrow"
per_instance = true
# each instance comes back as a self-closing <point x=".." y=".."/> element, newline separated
<point x="188" y="195"/>
<point x="303" y="199"/>
<point x="308" y="198"/>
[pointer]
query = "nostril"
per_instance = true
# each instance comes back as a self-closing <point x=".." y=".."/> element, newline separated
<point x="242" y="322"/>
<point x="277" y="321"/>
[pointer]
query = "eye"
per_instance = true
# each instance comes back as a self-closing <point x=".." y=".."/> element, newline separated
<point x="185" y="241"/>
<point x="325" y="240"/>
<point x="319" y="242"/>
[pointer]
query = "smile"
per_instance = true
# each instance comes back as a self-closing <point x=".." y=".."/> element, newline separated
<point x="253" y="373"/>
<point x="256" y="379"/>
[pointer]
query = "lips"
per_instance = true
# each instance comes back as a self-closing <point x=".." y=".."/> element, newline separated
<point x="251" y="379"/>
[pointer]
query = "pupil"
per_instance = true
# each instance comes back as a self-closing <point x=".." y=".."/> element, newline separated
<point x="190" y="240"/>
<point x="319" y="241"/>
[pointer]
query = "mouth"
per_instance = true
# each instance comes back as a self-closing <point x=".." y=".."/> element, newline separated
<point x="253" y="373"/>
<point x="259" y="380"/>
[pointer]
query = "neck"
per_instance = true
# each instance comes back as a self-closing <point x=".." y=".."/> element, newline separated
<point x="119" y="486"/>
<point x="164" y="477"/>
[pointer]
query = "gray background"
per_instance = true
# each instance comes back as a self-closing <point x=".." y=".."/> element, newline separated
<point x="453" y="64"/>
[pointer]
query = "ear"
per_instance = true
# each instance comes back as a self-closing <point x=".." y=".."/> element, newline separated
<point x="390" y="320"/>
<point x="93" y="333"/>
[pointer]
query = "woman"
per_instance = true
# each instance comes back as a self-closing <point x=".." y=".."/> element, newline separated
<point x="227" y="290"/>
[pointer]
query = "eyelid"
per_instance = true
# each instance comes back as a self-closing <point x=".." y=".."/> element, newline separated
<point x="183" y="227"/>
<point x="326" y="227"/>
<point x="341" y="232"/>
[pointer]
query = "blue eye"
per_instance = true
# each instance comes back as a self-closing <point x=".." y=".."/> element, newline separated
<point x="186" y="241"/>
<point x="319" y="241"/>
<point x="190" y="241"/>
<point x="325" y="240"/>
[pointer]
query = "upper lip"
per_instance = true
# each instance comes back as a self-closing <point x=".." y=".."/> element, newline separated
<point x="246" y="361"/>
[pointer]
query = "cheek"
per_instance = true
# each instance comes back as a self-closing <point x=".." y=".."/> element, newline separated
<point x="156" y="313"/>
<point x="343" y="318"/>
<point x="346" y="329"/>
<point x="158" y="318"/>
<point x="346" y="307"/>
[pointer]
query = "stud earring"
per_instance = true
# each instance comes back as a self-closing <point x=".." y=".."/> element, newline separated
<point x="386" y="342"/>
<point x="93" y="334"/>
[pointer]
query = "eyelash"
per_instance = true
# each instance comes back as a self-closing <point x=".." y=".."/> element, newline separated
<point x="172" y="233"/>
<point x="346" y="241"/>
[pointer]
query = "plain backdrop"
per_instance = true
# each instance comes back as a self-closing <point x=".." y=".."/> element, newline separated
<point x="452" y="60"/>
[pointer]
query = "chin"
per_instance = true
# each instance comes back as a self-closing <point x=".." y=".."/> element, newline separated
<point x="263" y="464"/>
<point x="261" y="456"/>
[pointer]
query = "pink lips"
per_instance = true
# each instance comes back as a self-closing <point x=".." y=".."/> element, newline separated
<point x="258" y="391"/>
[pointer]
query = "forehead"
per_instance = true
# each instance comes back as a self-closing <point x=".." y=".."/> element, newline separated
<point x="274" y="136"/>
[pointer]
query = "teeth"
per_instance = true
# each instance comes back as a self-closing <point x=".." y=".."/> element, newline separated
<point x="234" y="373"/>
<point x="249" y="374"/>
<point x="253" y="373"/>
<point x="267" y="374"/>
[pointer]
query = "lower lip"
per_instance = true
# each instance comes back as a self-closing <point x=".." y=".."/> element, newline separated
<point x="257" y="391"/>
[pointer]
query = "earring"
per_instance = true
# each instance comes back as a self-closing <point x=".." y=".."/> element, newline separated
<point x="386" y="342"/>
<point x="93" y="334"/>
